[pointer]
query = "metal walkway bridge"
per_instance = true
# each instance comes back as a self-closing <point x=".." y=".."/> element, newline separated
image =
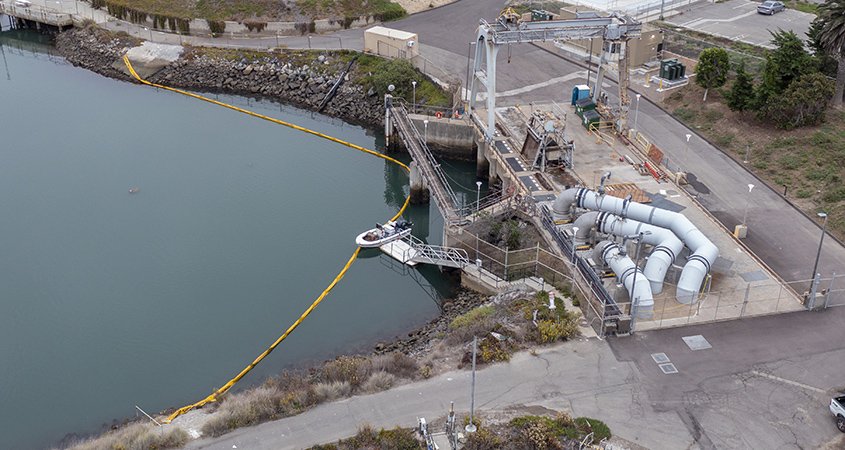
<point x="435" y="179"/>
<point x="412" y="251"/>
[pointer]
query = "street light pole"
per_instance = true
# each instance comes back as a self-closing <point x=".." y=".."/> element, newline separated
<point x="471" y="428"/>
<point x="414" y="83"/>
<point x="425" y="131"/>
<point x="477" y="208"/>
<point x="813" y="284"/>
<point x="637" y="112"/>
<point x="574" y="232"/>
<point x="747" y="202"/>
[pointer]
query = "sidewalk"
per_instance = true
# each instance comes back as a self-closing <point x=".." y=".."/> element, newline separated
<point x="582" y="377"/>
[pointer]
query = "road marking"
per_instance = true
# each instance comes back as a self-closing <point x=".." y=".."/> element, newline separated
<point x="531" y="87"/>
<point x="698" y="22"/>
<point x="790" y="382"/>
<point x="753" y="5"/>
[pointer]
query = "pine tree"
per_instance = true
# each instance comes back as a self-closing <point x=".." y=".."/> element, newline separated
<point x="741" y="95"/>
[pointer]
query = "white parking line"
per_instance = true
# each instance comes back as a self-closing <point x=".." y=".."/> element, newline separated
<point x="784" y="380"/>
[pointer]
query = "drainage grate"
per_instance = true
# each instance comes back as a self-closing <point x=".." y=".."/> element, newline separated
<point x="697" y="342"/>
<point x="756" y="275"/>
<point x="668" y="368"/>
<point x="660" y="358"/>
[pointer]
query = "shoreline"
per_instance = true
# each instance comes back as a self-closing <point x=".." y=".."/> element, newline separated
<point x="98" y="51"/>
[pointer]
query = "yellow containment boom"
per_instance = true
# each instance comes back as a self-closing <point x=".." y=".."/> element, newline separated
<point x="222" y="390"/>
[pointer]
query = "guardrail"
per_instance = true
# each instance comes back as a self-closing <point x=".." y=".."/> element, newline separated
<point x="435" y="254"/>
<point x="37" y="14"/>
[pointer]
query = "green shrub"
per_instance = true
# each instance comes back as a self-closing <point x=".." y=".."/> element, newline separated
<point x="472" y="316"/>
<point x="217" y="27"/>
<point x="599" y="429"/>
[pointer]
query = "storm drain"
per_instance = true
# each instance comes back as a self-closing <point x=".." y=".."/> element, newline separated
<point x="696" y="342"/>
<point x="660" y="358"/>
<point x="668" y="368"/>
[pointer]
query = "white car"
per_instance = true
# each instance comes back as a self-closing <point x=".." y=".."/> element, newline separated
<point x="23" y="3"/>
<point x="838" y="411"/>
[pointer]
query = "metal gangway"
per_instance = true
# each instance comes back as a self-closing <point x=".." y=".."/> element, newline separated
<point x="439" y="187"/>
<point x="412" y="250"/>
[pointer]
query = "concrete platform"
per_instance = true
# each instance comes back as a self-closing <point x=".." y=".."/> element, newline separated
<point x="741" y="285"/>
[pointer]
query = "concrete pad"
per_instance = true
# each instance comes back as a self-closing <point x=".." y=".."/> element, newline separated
<point x="149" y="57"/>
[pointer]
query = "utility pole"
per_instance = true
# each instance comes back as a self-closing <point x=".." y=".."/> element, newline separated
<point x="471" y="428"/>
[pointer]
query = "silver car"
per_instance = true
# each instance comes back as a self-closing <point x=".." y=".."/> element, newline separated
<point x="770" y="7"/>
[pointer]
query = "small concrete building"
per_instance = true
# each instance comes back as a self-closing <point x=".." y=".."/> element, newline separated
<point x="391" y="43"/>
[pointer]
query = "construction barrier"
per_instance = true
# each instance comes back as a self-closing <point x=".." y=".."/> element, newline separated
<point x="222" y="390"/>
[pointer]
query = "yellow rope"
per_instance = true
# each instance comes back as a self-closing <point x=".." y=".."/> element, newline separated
<point x="222" y="390"/>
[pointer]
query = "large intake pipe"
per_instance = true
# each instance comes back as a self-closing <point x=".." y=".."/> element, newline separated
<point x="704" y="253"/>
<point x="666" y="245"/>
<point x="639" y="290"/>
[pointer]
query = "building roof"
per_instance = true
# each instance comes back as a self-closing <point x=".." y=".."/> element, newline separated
<point x="391" y="33"/>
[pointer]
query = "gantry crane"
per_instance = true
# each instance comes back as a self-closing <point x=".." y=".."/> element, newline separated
<point x="615" y="31"/>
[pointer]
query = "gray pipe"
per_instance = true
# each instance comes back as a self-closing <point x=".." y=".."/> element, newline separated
<point x="642" y="301"/>
<point x="585" y="223"/>
<point x="704" y="253"/>
<point x="666" y="245"/>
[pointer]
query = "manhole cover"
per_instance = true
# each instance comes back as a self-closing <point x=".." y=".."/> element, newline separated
<point x="756" y="275"/>
<point x="668" y="368"/>
<point x="697" y="342"/>
<point x="660" y="358"/>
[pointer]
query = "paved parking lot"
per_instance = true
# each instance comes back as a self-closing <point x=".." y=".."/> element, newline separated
<point x="738" y="20"/>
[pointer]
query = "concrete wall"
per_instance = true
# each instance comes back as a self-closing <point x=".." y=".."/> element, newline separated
<point x="454" y="138"/>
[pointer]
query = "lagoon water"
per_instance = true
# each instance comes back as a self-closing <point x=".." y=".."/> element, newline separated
<point x="111" y="299"/>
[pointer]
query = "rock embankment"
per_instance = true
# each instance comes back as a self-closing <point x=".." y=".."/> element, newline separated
<point x="299" y="78"/>
<point x="419" y="341"/>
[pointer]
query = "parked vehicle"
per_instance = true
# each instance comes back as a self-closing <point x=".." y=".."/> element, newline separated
<point x="837" y="408"/>
<point x="23" y="3"/>
<point x="770" y="7"/>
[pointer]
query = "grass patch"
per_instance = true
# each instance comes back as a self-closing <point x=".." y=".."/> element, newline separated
<point x="137" y="436"/>
<point x="807" y="7"/>
<point x="810" y="161"/>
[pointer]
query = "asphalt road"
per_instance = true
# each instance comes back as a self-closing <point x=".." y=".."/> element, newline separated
<point x="738" y="20"/>
<point x="582" y="377"/>
<point x="765" y="383"/>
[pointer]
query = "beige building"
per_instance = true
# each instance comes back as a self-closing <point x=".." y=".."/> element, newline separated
<point x="391" y="43"/>
<point x="641" y="50"/>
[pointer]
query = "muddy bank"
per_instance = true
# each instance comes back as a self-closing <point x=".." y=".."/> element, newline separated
<point x="299" y="78"/>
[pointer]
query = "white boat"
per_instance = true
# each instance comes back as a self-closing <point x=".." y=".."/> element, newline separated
<point x="382" y="234"/>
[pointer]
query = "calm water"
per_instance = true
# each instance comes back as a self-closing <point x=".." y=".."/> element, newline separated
<point x="111" y="299"/>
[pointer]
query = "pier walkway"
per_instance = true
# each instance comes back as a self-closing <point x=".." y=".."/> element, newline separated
<point x="412" y="251"/>
<point x="433" y="176"/>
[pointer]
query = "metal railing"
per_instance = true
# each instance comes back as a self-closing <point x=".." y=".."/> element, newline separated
<point x="37" y="14"/>
<point x="442" y="191"/>
<point x="434" y="254"/>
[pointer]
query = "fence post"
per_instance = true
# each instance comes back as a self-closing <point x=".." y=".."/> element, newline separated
<point x="780" y="293"/>
<point x="829" y="290"/>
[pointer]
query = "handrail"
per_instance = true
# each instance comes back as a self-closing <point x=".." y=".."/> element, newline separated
<point x="434" y="254"/>
<point x="445" y="197"/>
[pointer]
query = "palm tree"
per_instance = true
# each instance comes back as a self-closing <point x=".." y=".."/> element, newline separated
<point x="832" y="39"/>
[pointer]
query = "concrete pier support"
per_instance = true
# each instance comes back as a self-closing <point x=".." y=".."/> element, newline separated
<point x="482" y="164"/>
<point x="419" y="191"/>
